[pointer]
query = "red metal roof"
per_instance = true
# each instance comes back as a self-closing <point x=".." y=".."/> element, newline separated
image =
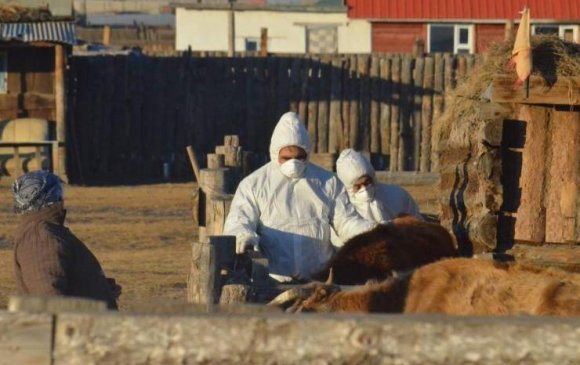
<point x="568" y="10"/>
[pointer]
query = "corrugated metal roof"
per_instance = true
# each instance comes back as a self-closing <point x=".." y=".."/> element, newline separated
<point x="559" y="10"/>
<point x="59" y="32"/>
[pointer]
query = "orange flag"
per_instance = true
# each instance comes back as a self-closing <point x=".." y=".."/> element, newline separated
<point x="522" y="52"/>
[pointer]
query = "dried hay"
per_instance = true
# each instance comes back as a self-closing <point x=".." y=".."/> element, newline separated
<point x="552" y="58"/>
<point x="13" y="13"/>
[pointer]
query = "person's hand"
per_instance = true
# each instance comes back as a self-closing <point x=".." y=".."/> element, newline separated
<point x="246" y="242"/>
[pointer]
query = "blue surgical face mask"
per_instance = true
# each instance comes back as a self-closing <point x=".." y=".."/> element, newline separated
<point x="293" y="168"/>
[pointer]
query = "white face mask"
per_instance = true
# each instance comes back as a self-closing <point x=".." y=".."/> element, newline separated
<point x="365" y="194"/>
<point x="293" y="168"/>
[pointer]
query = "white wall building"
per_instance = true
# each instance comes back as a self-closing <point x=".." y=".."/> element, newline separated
<point x="290" y="29"/>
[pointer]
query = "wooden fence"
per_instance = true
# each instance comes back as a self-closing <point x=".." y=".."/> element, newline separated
<point x="131" y="114"/>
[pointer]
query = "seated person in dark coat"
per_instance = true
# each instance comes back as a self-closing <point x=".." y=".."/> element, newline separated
<point x="49" y="259"/>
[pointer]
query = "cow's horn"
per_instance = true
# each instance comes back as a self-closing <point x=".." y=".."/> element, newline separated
<point x="330" y="277"/>
<point x="285" y="297"/>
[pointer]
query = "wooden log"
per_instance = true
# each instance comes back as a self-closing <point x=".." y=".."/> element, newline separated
<point x="426" y="115"/>
<point x="365" y="103"/>
<point x="354" y="127"/>
<point x="324" y="160"/>
<point x="216" y="212"/>
<point x="449" y="72"/>
<point x="232" y="156"/>
<point x="565" y="91"/>
<point x="232" y="140"/>
<point x="295" y="84"/>
<point x="385" y="105"/>
<point x="563" y="177"/>
<point x="482" y="230"/>
<point x="531" y="214"/>
<point x="26" y="338"/>
<point x="565" y="257"/>
<point x="408" y="177"/>
<point x="345" y="339"/>
<point x="304" y="91"/>
<point x="335" y="121"/>
<point x="313" y="85"/>
<point x="405" y="153"/>
<point x="418" y="76"/>
<point x="218" y="182"/>
<point x="375" y="131"/>
<point x="37" y="304"/>
<point x="215" y="161"/>
<point x="201" y="277"/>
<point x="345" y="107"/>
<point x="438" y="104"/>
<point x="323" y="105"/>
<point x="234" y="293"/>
<point x="395" y="114"/>
<point x="60" y="56"/>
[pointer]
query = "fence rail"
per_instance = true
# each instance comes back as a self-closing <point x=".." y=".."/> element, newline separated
<point x="131" y="114"/>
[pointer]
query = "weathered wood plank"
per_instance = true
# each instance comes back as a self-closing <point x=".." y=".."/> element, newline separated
<point x="418" y="76"/>
<point x="395" y="113"/>
<point x="55" y="304"/>
<point x="563" y="177"/>
<point x="26" y="339"/>
<point x="565" y="91"/>
<point x="426" y="116"/>
<point x="335" y="120"/>
<point x="375" y="132"/>
<point x="314" y="339"/>
<point x="385" y="99"/>
<point x="531" y="214"/>
<point x="354" y="127"/>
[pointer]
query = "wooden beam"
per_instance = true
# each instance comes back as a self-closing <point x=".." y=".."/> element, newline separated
<point x="313" y="339"/>
<point x="60" y="59"/>
<point x="565" y="91"/>
<point x="34" y="304"/>
<point x="408" y="177"/>
<point x="26" y="338"/>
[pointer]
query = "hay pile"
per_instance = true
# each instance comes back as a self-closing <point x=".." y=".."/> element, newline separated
<point x="13" y="13"/>
<point x="552" y="58"/>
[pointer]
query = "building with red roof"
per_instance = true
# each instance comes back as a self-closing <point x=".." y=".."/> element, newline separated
<point x="459" y="26"/>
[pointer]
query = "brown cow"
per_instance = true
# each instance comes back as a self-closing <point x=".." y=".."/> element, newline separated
<point x="404" y="244"/>
<point x="454" y="286"/>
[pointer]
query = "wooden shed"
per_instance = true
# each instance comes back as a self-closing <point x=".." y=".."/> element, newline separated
<point x="510" y="159"/>
<point x="34" y="48"/>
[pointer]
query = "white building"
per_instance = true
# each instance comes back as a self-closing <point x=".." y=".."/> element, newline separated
<point x="291" y="29"/>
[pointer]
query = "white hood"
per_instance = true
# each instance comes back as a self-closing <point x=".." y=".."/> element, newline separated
<point x="289" y="131"/>
<point x="351" y="165"/>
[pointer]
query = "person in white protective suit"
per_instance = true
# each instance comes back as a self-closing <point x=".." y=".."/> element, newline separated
<point x="378" y="202"/>
<point x="288" y="207"/>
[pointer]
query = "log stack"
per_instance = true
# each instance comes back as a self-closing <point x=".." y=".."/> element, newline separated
<point x="510" y="160"/>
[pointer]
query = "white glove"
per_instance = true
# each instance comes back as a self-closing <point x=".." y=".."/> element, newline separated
<point x="245" y="241"/>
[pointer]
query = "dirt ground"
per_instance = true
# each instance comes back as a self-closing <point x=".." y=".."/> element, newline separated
<point x="140" y="234"/>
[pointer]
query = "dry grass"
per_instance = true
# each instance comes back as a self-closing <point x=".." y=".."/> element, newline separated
<point x="140" y="234"/>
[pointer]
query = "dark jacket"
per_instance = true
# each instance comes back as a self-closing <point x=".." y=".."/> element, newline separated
<point x="50" y="260"/>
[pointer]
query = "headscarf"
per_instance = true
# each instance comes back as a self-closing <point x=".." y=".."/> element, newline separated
<point x="36" y="190"/>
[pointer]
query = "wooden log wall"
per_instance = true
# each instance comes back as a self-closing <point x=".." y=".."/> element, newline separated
<point x="510" y="171"/>
<point x="131" y="114"/>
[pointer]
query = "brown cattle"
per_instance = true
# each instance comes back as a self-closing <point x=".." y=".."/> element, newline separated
<point x="404" y="244"/>
<point x="455" y="286"/>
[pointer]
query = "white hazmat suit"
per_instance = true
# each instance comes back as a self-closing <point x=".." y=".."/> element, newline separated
<point x="290" y="218"/>
<point x="380" y="202"/>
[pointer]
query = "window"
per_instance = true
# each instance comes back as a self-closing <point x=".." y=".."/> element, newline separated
<point x="452" y="38"/>
<point x="3" y="73"/>
<point x="567" y="32"/>
<point x="321" y="39"/>
<point x="252" y="44"/>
